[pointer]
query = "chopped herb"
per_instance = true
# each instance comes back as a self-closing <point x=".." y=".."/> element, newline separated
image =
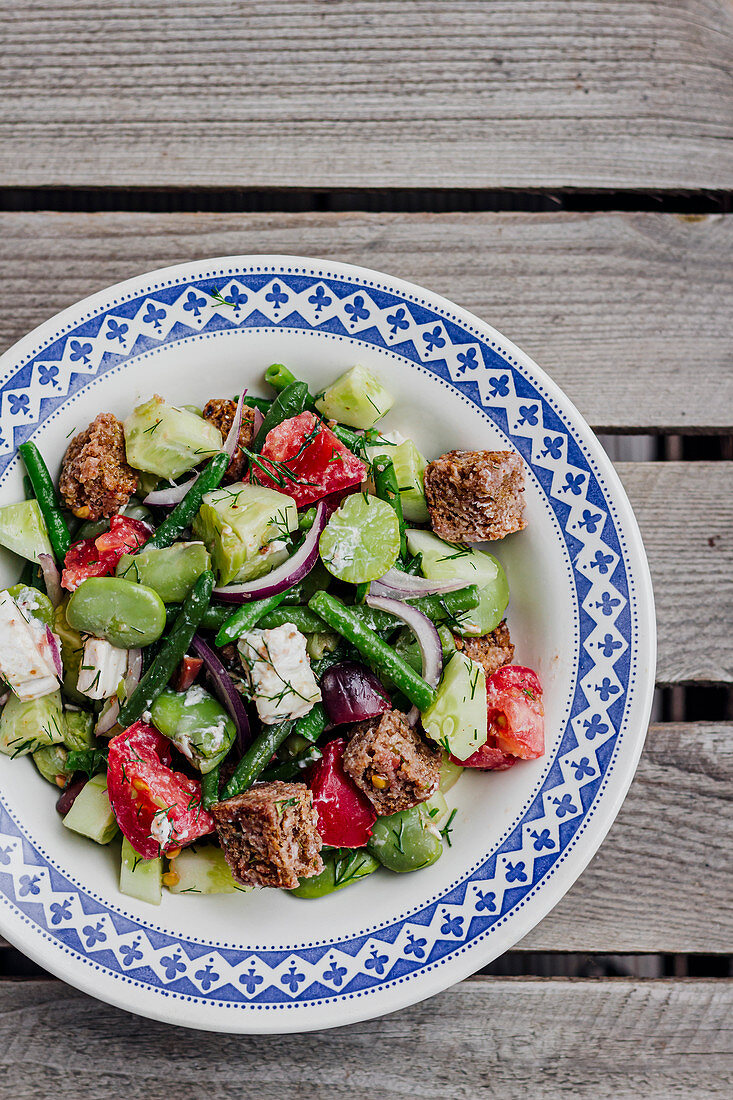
<point x="90" y="761"/>
<point x="447" y="829"/>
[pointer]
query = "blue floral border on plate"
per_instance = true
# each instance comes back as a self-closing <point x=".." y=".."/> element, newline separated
<point x="450" y="348"/>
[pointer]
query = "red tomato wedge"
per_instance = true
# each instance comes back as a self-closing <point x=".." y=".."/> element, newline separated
<point x="345" y="815"/>
<point x="98" y="557"/>
<point x="516" y="720"/>
<point x="304" y="459"/>
<point x="156" y="808"/>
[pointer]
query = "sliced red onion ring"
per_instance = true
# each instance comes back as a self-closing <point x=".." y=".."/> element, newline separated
<point x="403" y="586"/>
<point x="55" y="649"/>
<point x="257" y="421"/>
<point x="426" y="634"/>
<point x="222" y="684"/>
<point x="175" y="494"/>
<point x="52" y="578"/>
<point x="108" y="717"/>
<point x="289" y="573"/>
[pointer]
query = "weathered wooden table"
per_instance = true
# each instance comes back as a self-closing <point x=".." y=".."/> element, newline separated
<point x="563" y="168"/>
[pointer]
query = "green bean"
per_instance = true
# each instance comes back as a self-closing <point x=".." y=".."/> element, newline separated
<point x="344" y="621"/>
<point x="305" y="519"/>
<point x="245" y="617"/>
<point x="215" y="615"/>
<point x="171" y="652"/>
<point x="312" y="724"/>
<point x="210" y="787"/>
<point x="349" y="438"/>
<point x="261" y="403"/>
<point x="290" y="402"/>
<point x="183" y="514"/>
<point x="257" y="757"/>
<point x="280" y="377"/>
<point x="387" y="489"/>
<point x="306" y="621"/>
<point x="291" y="769"/>
<point x="45" y="492"/>
<point x="413" y="565"/>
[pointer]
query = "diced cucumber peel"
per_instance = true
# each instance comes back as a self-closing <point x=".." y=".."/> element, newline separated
<point x="140" y="878"/>
<point x="457" y="719"/>
<point x="23" y="530"/>
<point x="357" y="398"/>
<point x="409" y="467"/>
<point x="203" y="871"/>
<point x="243" y="527"/>
<point x="91" y="815"/>
<point x="442" y="561"/>
<point x="168" y="441"/>
<point x="34" y="724"/>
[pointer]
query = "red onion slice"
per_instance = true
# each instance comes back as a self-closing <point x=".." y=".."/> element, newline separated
<point x="176" y="493"/>
<point x="426" y="634"/>
<point x="55" y="649"/>
<point x="52" y="578"/>
<point x="225" y="690"/>
<point x="257" y="421"/>
<point x="403" y="586"/>
<point x="286" y="575"/>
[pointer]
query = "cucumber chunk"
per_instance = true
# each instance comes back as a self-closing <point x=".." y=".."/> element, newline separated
<point x="457" y="719"/>
<point x="357" y="398"/>
<point x="34" y="602"/>
<point x="164" y="440"/>
<point x="409" y="467"/>
<point x="435" y="810"/>
<point x="171" y="571"/>
<point x="443" y="561"/>
<point x="203" y="871"/>
<point x="244" y="527"/>
<point x="140" y="878"/>
<point x="23" y="530"/>
<point x="91" y="815"/>
<point x="450" y="773"/>
<point x="31" y="725"/>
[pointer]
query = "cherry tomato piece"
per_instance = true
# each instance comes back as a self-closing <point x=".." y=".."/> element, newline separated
<point x="157" y="809"/>
<point x="98" y="557"/>
<point x="345" y="815"/>
<point x="515" y="716"/>
<point x="307" y="461"/>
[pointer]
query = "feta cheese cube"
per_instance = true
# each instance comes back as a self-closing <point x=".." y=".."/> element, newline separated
<point x="102" y="667"/>
<point x="279" y="673"/>
<point x="26" y="660"/>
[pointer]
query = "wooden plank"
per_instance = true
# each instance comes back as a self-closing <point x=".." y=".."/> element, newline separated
<point x="630" y="314"/>
<point x="670" y="842"/>
<point x="685" y="512"/>
<point x="484" y="1038"/>
<point x="475" y="93"/>
<point x="630" y="898"/>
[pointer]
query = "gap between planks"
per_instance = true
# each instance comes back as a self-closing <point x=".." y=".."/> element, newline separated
<point x="669" y="843"/>
<point x="628" y="313"/>
<point x="486" y="1037"/>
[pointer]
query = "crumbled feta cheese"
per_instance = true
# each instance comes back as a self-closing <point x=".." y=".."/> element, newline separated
<point x="102" y="667"/>
<point x="194" y="695"/>
<point x="146" y="717"/>
<point x="26" y="660"/>
<point x="279" y="672"/>
<point x="161" y="829"/>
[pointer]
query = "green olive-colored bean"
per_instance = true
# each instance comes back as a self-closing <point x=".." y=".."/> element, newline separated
<point x="341" y="867"/>
<point x="196" y="723"/>
<point x="171" y="571"/>
<point x="125" y="614"/>
<point x="405" y="841"/>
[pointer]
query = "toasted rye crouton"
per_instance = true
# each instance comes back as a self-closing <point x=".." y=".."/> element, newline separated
<point x="392" y="763"/>
<point x="491" y="651"/>
<point x="474" y="496"/>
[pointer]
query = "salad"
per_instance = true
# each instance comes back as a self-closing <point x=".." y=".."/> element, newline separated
<point x="258" y="639"/>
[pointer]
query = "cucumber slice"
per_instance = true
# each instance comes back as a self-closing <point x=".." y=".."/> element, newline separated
<point x="457" y="719"/>
<point x="357" y="398"/>
<point x="203" y="871"/>
<point x="140" y="878"/>
<point x="161" y="439"/>
<point x="23" y="530"/>
<point x="435" y="810"/>
<point x="91" y="815"/>
<point x="450" y="773"/>
<point x="443" y="561"/>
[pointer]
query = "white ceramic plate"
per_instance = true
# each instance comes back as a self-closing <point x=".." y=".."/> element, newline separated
<point x="581" y="614"/>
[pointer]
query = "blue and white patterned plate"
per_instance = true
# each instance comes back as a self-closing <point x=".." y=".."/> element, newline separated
<point x="581" y="613"/>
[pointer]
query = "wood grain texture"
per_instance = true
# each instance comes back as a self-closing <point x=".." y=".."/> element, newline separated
<point x="367" y="93"/>
<point x="630" y="314"/>
<point x="508" y="1038"/>
<point x="685" y="512"/>
<point x="669" y="844"/>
